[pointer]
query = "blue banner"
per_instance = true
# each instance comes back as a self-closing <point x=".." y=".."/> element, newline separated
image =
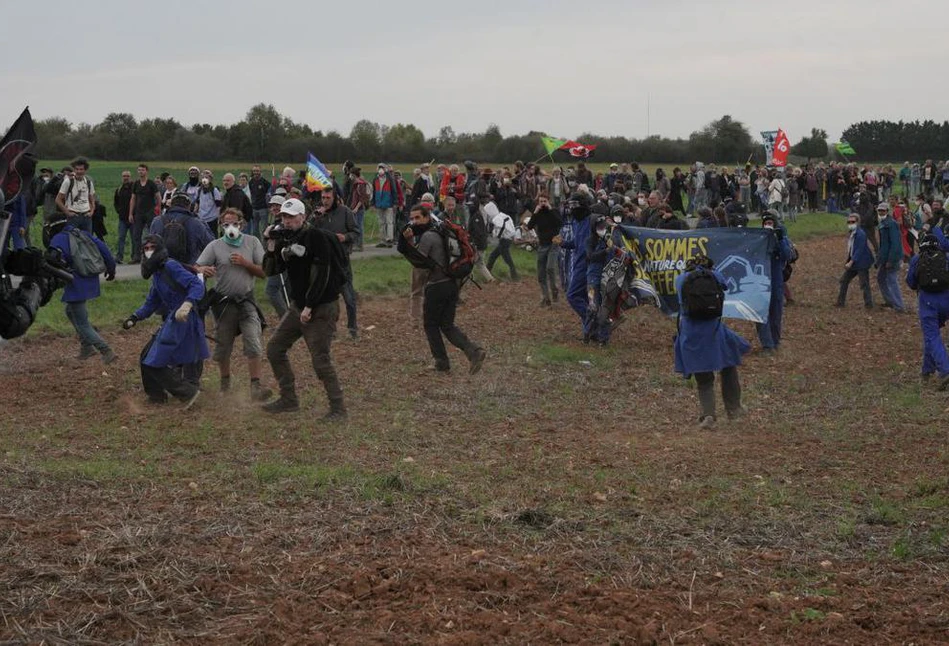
<point x="741" y="255"/>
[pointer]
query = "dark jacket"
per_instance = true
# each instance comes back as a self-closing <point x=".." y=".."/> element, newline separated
<point x="547" y="223"/>
<point x="859" y="251"/>
<point x="308" y="276"/>
<point x="122" y="200"/>
<point x="259" y="190"/>
<point x="891" y="245"/>
<point x="340" y="220"/>
<point x="235" y="198"/>
<point x="199" y="235"/>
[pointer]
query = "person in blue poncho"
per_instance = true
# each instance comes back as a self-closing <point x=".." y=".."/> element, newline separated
<point x="770" y="333"/>
<point x="930" y="282"/>
<point x="171" y="361"/>
<point x="580" y="206"/>
<point x="704" y="345"/>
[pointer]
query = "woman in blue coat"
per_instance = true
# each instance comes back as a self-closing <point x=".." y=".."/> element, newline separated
<point x="933" y="311"/>
<point x="704" y="347"/>
<point x="172" y="359"/>
<point x="82" y="288"/>
<point x="577" y="289"/>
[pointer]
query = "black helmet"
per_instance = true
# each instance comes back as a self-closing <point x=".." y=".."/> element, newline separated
<point x="928" y="241"/>
<point x="698" y="260"/>
<point x="181" y="198"/>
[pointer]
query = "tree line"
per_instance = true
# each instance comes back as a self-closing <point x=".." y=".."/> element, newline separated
<point x="264" y="135"/>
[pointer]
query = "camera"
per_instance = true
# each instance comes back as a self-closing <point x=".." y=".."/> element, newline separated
<point x="281" y="233"/>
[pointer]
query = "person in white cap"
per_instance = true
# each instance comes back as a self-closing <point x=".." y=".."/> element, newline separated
<point x="276" y="286"/>
<point x="316" y="266"/>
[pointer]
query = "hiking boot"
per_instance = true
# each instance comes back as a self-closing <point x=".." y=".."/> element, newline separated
<point x="354" y="334"/>
<point x="282" y="405"/>
<point x="707" y="422"/>
<point x="737" y="413"/>
<point x="555" y="295"/>
<point x="258" y="393"/>
<point x="86" y="352"/>
<point x="442" y="366"/>
<point x="190" y="402"/>
<point x="337" y="412"/>
<point x="476" y="360"/>
<point x="381" y="245"/>
<point x="109" y="356"/>
<point x="545" y="302"/>
<point x="225" y="384"/>
<point x="944" y="384"/>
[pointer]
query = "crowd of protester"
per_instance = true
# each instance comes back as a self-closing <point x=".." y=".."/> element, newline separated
<point x="222" y="232"/>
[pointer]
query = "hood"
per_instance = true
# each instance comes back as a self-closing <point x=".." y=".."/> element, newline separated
<point x="491" y="210"/>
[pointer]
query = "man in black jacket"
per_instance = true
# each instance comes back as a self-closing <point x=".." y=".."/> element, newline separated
<point x="259" y="194"/>
<point x="235" y="198"/>
<point x="122" y="202"/>
<point x="547" y="223"/>
<point x="314" y="281"/>
<point x="335" y="218"/>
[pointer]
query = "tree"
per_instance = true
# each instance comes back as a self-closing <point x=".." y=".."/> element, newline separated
<point x="366" y="137"/>
<point x="262" y="133"/>
<point x="812" y="147"/>
<point x="116" y="137"/>
<point x="724" y="140"/>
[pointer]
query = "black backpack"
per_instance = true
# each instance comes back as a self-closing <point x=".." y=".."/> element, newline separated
<point x="175" y="236"/>
<point x="703" y="297"/>
<point x="932" y="270"/>
<point x="477" y="229"/>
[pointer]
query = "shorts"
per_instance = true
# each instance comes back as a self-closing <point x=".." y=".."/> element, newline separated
<point x="236" y="317"/>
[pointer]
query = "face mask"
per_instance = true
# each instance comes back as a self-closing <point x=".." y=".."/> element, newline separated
<point x="381" y="173"/>
<point x="852" y="226"/>
<point x="769" y="227"/>
<point x="232" y="234"/>
<point x="617" y="219"/>
<point x="601" y="232"/>
<point x="205" y="181"/>
<point x="641" y="201"/>
<point x="148" y="254"/>
<point x="881" y="216"/>
<point x="507" y="181"/>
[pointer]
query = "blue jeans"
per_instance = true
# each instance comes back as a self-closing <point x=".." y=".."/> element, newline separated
<point x="258" y="223"/>
<point x="888" y="280"/>
<point x="78" y="315"/>
<point x="276" y="293"/>
<point x="124" y="229"/>
<point x="83" y="222"/>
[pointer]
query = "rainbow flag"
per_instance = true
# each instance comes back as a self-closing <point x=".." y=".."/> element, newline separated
<point x="317" y="177"/>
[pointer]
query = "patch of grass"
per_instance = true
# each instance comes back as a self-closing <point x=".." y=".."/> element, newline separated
<point x="555" y="353"/>
<point x="812" y="225"/>
<point x="883" y="512"/>
<point x="807" y="615"/>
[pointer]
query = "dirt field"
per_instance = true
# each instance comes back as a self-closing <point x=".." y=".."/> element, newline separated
<point x="564" y="494"/>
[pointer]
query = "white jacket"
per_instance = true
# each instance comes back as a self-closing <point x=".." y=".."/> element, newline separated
<point x="501" y="222"/>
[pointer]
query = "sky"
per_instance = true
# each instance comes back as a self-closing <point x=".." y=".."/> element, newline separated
<point x="612" y="67"/>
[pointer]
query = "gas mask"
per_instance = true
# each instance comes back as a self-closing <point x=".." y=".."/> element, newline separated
<point x="232" y="235"/>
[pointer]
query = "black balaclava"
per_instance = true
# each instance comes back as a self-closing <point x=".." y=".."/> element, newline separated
<point x="157" y="261"/>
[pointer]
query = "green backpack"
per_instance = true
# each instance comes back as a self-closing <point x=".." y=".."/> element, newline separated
<point x="87" y="260"/>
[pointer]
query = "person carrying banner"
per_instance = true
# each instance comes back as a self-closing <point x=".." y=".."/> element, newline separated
<point x="703" y="344"/>
<point x="929" y="276"/>
<point x="770" y="333"/>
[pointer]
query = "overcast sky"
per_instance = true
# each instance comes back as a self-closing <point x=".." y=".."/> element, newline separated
<point x="564" y="67"/>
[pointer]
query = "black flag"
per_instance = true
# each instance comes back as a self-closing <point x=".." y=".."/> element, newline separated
<point x="17" y="161"/>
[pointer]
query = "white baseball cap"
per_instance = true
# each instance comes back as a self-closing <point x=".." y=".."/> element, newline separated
<point x="277" y="199"/>
<point x="293" y="206"/>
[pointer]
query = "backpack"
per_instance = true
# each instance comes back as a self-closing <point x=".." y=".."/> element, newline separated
<point x="87" y="260"/>
<point x="932" y="271"/>
<point x="784" y="189"/>
<point x="175" y="236"/>
<point x="703" y="297"/>
<point x="363" y="194"/>
<point x="458" y="249"/>
<point x="477" y="229"/>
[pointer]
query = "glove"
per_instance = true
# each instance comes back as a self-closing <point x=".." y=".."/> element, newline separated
<point x="110" y="275"/>
<point x="182" y="314"/>
<point x="130" y="322"/>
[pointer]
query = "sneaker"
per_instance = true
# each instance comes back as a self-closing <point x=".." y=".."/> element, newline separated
<point x="354" y="335"/>
<point x="281" y="405"/>
<point x="189" y="403"/>
<point x="476" y="360"/>
<point x="337" y="412"/>
<point x="708" y="422"/>
<point x="944" y="384"/>
<point x="109" y="356"/>
<point x="258" y="393"/>
<point x="86" y="352"/>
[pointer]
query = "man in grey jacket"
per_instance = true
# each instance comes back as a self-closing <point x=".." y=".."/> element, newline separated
<point x="336" y="218"/>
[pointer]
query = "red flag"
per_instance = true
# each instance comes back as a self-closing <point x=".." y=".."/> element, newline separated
<point x="17" y="162"/>
<point x="781" y="149"/>
<point x="578" y="150"/>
